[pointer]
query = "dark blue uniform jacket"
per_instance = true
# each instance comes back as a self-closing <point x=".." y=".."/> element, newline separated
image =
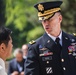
<point x="42" y="57"/>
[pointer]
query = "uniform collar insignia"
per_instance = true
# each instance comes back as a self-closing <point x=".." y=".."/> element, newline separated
<point x="66" y="38"/>
<point x="48" y="41"/>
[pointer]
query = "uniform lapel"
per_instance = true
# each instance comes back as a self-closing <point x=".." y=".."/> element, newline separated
<point x="64" y="53"/>
<point x="65" y="43"/>
<point x="48" y="42"/>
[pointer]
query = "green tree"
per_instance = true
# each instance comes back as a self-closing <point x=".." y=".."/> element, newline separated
<point x="69" y="15"/>
<point x="21" y="18"/>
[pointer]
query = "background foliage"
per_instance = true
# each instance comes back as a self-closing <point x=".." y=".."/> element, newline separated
<point x="22" y="18"/>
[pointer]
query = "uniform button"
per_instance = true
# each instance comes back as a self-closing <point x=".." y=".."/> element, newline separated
<point x="47" y="62"/>
<point x="64" y="68"/>
<point x="62" y="60"/>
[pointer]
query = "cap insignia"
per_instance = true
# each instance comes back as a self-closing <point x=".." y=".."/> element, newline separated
<point x="40" y="7"/>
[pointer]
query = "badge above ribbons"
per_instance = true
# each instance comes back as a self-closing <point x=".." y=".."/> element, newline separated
<point x="44" y="51"/>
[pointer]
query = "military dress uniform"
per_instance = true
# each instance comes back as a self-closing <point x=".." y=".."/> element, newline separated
<point x="45" y="57"/>
<point x="41" y="56"/>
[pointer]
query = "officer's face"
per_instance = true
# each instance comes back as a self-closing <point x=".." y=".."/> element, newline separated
<point x="53" y="24"/>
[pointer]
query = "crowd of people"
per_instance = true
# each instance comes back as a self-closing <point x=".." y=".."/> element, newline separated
<point x="54" y="53"/>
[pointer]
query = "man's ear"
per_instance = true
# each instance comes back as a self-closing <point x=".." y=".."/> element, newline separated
<point x="60" y="18"/>
<point x="2" y="47"/>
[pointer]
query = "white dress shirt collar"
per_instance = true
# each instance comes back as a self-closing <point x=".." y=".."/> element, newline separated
<point x="54" y="38"/>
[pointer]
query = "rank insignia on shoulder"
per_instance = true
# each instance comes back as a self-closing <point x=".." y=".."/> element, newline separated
<point x="32" y="42"/>
<point x="74" y="34"/>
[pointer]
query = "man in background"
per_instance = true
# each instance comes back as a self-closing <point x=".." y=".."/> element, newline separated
<point x="16" y="65"/>
<point x="25" y="50"/>
<point x="5" y="47"/>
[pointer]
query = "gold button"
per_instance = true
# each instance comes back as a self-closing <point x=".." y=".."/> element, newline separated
<point x="64" y="68"/>
<point x="47" y="62"/>
<point x="62" y="60"/>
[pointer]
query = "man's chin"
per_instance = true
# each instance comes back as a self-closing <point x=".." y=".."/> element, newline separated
<point x="48" y="32"/>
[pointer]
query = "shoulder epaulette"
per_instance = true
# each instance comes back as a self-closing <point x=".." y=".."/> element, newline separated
<point x="74" y="34"/>
<point x="32" y="42"/>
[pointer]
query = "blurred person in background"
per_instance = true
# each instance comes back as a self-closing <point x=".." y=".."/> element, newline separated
<point x="25" y="50"/>
<point x="5" y="47"/>
<point x="16" y="65"/>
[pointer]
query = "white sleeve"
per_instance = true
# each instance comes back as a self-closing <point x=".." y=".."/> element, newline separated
<point x="2" y="71"/>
